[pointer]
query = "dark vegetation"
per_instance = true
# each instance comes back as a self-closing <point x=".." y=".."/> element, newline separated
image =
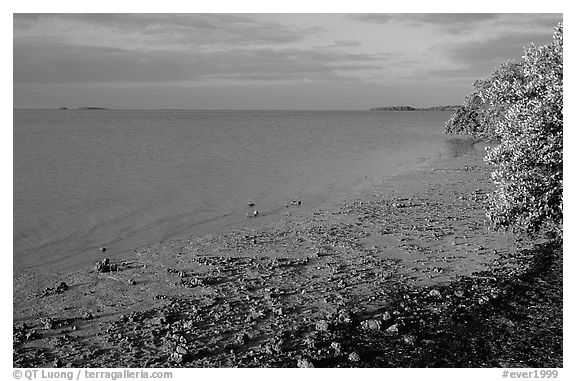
<point x="521" y="105"/>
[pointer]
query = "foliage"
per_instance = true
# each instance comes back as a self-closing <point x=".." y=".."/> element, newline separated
<point x="521" y="104"/>
<point x="481" y="111"/>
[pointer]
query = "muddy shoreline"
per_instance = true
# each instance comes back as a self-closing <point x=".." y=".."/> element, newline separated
<point x="405" y="275"/>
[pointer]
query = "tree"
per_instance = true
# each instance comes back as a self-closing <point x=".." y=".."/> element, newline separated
<point x="481" y="111"/>
<point x="521" y="104"/>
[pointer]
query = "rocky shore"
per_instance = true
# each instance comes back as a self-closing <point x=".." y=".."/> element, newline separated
<point x="405" y="275"/>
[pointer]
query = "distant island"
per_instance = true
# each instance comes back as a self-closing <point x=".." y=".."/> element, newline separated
<point x="93" y="108"/>
<point x="410" y="108"/>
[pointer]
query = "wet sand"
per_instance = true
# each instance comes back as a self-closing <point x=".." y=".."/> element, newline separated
<point x="405" y="274"/>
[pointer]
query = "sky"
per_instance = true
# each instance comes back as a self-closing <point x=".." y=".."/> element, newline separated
<point x="262" y="61"/>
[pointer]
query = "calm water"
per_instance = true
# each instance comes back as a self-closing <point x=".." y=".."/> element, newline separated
<point x="124" y="179"/>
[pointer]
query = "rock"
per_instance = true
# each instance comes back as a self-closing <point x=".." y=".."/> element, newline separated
<point x="131" y="282"/>
<point x="181" y="350"/>
<point x="322" y="325"/>
<point x="176" y="357"/>
<point x="256" y="213"/>
<point x="251" y="204"/>
<point x="393" y="329"/>
<point x="102" y="249"/>
<point x="104" y="266"/>
<point x="32" y="335"/>
<point x="386" y="316"/>
<point x="242" y="338"/>
<point x="61" y="287"/>
<point x="48" y="323"/>
<point x="434" y="293"/>
<point x="336" y="346"/>
<point x="21" y="326"/>
<point x="409" y="339"/>
<point x="344" y="316"/>
<point x="57" y="363"/>
<point x="160" y="320"/>
<point x="305" y="363"/>
<point x="87" y="316"/>
<point x="354" y="357"/>
<point x="310" y="342"/>
<point x="371" y="324"/>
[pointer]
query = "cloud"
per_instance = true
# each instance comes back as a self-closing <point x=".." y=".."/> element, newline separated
<point x="450" y="22"/>
<point x="381" y="18"/>
<point x="427" y="18"/>
<point x="63" y="63"/>
<point x="194" y="29"/>
<point x="458" y="23"/>
<point x="497" y="49"/>
<point x="344" y="44"/>
<point x="477" y="59"/>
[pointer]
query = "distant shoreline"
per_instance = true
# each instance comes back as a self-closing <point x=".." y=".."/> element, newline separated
<point x="384" y="108"/>
<point x="411" y="108"/>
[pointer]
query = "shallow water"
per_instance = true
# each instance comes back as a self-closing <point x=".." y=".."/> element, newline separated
<point x="124" y="179"/>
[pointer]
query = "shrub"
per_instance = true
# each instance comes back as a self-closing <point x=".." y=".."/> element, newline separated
<point x="521" y="104"/>
<point x="482" y="110"/>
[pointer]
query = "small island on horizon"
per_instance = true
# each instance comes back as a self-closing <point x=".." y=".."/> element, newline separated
<point x="85" y="108"/>
<point x="411" y="108"/>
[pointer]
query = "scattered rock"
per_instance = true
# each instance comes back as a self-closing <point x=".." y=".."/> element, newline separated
<point x="345" y="317"/>
<point x="322" y="326"/>
<point x="393" y="329"/>
<point x="409" y="339"/>
<point x="62" y="287"/>
<point x="354" y="357"/>
<point x="88" y="316"/>
<point x="242" y="338"/>
<point x="105" y="266"/>
<point x="48" y="323"/>
<point x="371" y="324"/>
<point x="305" y="363"/>
<point x="336" y="346"/>
<point x="176" y="357"/>
<point x="32" y="335"/>
<point x="181" y="350"/>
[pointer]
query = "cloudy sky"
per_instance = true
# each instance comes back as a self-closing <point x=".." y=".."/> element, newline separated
<point x="262" y="61"/>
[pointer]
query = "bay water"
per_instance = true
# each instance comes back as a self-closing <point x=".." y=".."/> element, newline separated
<point x="123" y="179"/>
